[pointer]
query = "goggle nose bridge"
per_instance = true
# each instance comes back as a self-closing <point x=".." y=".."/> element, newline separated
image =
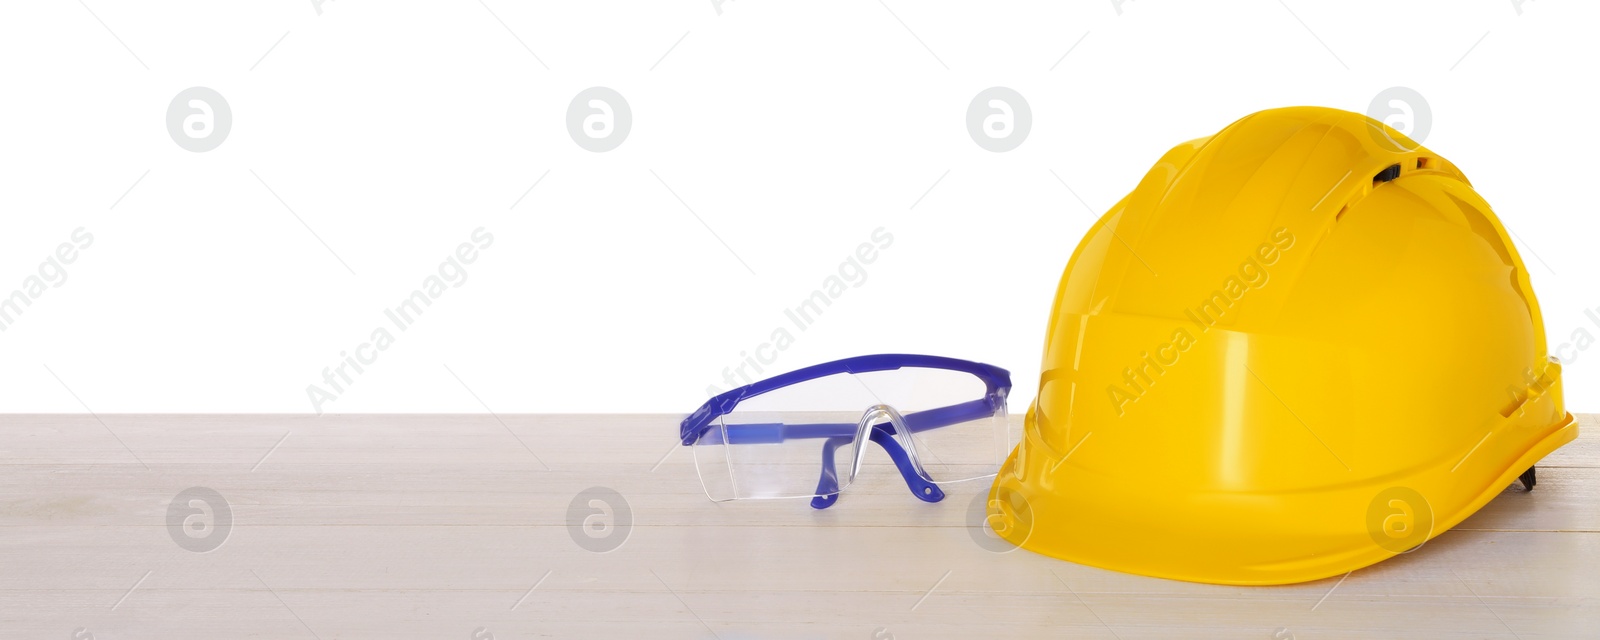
<point x="869" y="419"/>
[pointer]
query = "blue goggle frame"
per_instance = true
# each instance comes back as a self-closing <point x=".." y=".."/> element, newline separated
<point x="997" y="381"/>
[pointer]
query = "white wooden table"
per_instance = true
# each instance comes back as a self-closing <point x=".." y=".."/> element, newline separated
<point x="440" y="526"/>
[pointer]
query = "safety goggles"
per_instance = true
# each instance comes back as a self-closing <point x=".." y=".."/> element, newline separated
<point x="804" y="433"/>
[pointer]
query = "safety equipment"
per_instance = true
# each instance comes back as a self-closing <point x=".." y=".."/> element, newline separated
<point x="803" y="434"/>
<point x="1300" y="346"/>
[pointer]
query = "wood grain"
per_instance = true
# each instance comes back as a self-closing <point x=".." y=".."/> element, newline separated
<point x="440" y="526"/>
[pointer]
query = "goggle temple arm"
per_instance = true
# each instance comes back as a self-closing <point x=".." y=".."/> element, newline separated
<point x="828" y="484"/>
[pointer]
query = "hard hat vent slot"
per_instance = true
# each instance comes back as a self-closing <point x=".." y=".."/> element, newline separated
<point x="1386" y="175"/>
<point x="1422" y="163"/>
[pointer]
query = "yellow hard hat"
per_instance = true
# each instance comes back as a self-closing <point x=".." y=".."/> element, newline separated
<point x="1301" y="346"/>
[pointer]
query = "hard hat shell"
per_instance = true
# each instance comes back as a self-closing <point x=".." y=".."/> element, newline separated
<point x="1300" y="346"/>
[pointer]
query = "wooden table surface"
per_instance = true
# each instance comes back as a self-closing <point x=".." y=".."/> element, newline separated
<point x="470" y="527"/>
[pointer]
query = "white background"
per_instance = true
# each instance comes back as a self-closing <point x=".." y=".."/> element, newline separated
<point x="391" y="130"/>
